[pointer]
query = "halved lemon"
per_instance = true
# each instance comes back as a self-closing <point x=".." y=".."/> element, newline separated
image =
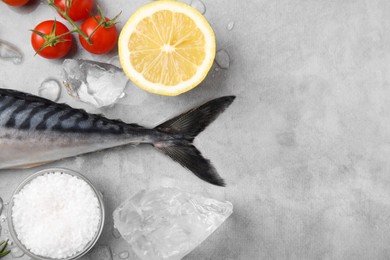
<point x="166" y="47"/>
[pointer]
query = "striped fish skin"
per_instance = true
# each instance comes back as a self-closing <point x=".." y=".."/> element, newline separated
<point x="33" y="130"/>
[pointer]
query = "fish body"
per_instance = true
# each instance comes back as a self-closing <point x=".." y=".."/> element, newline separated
<point x="34" y="130"/>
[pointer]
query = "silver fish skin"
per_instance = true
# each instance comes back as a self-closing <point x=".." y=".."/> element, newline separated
<point x="34" y="130"/>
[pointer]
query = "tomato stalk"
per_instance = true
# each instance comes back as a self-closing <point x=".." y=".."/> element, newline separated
<point x="48" y="38"/>
<point x="103" y="23"/>
<point x="68" y="3"/>
<point x="66" y="16"/>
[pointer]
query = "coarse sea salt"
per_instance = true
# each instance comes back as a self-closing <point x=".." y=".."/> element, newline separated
<point x="56" y="215"/>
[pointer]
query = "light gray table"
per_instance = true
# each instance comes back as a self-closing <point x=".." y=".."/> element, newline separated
<point x="304" y="149"/>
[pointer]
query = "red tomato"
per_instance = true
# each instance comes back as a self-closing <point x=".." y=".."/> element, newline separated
<point x="103" y="39"/>
<point x="59" y="47"/>
<point x="79" y="9"/>
<point x="15" y="2"/>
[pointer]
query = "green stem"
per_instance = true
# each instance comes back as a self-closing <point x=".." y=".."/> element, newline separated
<point x="64" y="34"/>
<point x="94" y="30"/>
<point x="66" y="16"/>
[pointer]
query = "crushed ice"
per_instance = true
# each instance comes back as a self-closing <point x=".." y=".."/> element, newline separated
<point x="99" y="84"/>
<point x="168" y="223"/>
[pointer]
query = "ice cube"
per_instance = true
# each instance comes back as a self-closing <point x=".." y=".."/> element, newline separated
<point x="168" y="223"/>
<point x="222" y="59"/>
<point x="199" y="5"/>
<point x="101" y="253"/>
<point x="10" y="52"/>
<point x="99" y="84"/>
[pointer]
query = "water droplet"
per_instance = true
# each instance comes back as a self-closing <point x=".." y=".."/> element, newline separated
<point x="2" y="218"/>
<point x="50" y="89"/>
<point x="8" y="51"/>
<point x="122" y="95"/>
<point x="124" y="255"/>
<point x="17" y="252"/>
<point x="199" y="5"/>
<point x="222" y="59"/>
<point x="115" y="233"/>
<point x="230" y="26"/>
<point x="217" y="69"/>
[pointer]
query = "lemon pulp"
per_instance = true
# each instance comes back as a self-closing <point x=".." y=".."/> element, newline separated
<point x="167" y="47"/>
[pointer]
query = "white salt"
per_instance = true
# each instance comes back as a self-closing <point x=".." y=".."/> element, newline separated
<point x="56" y="215"/>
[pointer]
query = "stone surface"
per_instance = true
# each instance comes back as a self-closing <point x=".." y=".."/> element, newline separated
<point x="101" y="252"/>
<point x="304" y="148"/>
<point x="168" y="223"/>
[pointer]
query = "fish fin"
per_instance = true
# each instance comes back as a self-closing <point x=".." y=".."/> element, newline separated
<point x="191" y="158"/>
<point x="194" y="121"/>
<point x="31" y="165"/>
<point x="185" y="128"/>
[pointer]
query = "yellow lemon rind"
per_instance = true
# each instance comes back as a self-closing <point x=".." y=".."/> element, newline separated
<point x="137" y="77"/>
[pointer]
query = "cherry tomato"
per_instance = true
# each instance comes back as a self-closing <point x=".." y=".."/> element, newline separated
<point x="59" y="47"/>
<point x="103" y="39"/>
<point x="15" y="2"/>
<point x="79" y="9"/>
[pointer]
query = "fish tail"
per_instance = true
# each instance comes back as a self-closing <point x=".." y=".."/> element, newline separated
<point x="184" y="128"/>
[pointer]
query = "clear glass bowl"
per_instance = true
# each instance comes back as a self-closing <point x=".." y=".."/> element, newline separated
<point x="30" y="178"/>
